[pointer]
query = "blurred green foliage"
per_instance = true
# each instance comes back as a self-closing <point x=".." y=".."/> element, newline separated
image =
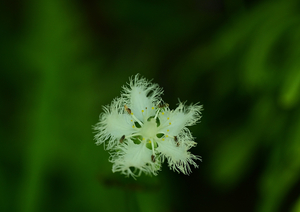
<point x="62" y="60"/>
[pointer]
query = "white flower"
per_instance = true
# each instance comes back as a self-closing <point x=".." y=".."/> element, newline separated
<point x="140" y="131"/>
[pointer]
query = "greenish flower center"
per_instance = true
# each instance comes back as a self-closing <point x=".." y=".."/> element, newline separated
<point x="149" y="129"/>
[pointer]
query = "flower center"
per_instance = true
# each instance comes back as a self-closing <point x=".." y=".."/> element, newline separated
<point x="149" y="129"/>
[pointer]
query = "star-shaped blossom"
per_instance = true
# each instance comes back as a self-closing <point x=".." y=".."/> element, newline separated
<point x="141" y="132"/>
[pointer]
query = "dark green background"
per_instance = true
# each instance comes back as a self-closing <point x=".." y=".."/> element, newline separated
<point x="60" y="61"/>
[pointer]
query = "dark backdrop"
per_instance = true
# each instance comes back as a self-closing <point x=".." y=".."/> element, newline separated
<point x="60" y="61"/>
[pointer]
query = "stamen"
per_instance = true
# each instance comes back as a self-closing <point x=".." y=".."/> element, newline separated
<point x="152" y="143"/>
<point x="168" y="136"/>
<point x="138" y="121"/>
<point x="176" y="140"/>
<point x="122" y="138"/>
<point x="132" y="135"/>
<point x="162" y="105"/>
<point x="127" y="109"/>
<point x="157" y="112"/>
<point x="153" y="158"/>
<point x="130" y="113"/>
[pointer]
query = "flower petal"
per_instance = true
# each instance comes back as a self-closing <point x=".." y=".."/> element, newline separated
<point x="136" y="156"/>
<point x="172" y="122"/>
<point x="179" y="159"/>
<point x="141" y="95"/>
<point x="113" y="124"/>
